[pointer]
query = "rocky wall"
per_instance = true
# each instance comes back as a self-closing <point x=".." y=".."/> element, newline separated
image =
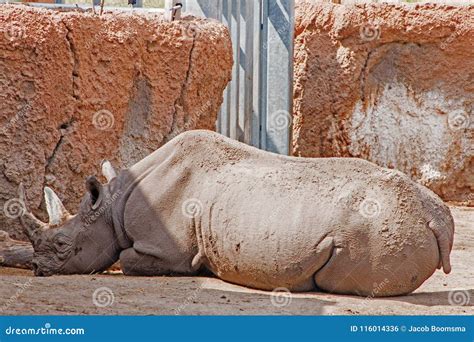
<point x="390" y="83"/>
<point x="77" y="88"/>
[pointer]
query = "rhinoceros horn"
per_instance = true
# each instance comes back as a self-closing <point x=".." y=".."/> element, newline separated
<point x="56" y="210"/>
<point x="32" y="226"/>
<point x="108" y="170"/>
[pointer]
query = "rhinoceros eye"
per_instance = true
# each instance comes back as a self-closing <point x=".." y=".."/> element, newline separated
<point x="63" y="249"/>
<point x="61" y="243"/>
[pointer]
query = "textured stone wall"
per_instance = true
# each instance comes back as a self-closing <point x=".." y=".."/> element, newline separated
<point x="76" y="88"/>
<point x="393" y="84"/>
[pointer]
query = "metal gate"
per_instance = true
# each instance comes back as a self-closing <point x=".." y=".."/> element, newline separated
<point x="257" y="104"/>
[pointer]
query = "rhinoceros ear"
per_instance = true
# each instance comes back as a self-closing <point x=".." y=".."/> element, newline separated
<point x="56" y="210"/>
<point x="95" y="190"/>
<point x="108" y="170"/>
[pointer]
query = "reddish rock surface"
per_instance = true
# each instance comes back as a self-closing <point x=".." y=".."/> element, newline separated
<point x="77" y="88"/>
<point x="393" y="84"/>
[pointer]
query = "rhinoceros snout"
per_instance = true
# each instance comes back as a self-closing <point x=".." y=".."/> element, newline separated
<point x="36" y="270"/>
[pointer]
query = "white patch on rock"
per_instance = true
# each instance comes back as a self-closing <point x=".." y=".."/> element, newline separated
<point x="408" y="131"/>
<point x="429" y="174"/>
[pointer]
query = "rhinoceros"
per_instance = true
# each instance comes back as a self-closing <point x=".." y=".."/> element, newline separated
<point x="206" y="203"/>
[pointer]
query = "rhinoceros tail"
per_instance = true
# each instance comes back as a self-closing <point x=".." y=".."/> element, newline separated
<point x="440" y="221"/>
<point x="444" y="235"/>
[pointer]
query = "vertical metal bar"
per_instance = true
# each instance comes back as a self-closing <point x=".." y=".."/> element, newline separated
<point x="219" y="121"/>
<point x="242" y="71"/>
<point x="256" y="29"/>
<point x="249" y="54"/>
<point x="290" y="71"/>
<point x="235" y="35"/>
<point x="263" y="73"/>
<point x="279" y="75"/>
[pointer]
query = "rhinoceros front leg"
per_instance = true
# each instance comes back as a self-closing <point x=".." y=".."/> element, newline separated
<point x="138" y="264"/>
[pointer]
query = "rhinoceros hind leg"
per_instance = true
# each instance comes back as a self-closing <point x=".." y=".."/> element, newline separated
<point x="137" y="264"/>
<point x="324" y="252"/>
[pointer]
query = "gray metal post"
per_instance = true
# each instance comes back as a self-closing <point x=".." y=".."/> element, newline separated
<point x="257" y="104"/>
<point x="256" y="95"/>
<point x="277" y="75"/>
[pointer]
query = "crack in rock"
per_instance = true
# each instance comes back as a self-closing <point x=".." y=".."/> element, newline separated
<point x="64" y="130"/>
<point x="74" y="60"/>
<point x="174" y="130"/>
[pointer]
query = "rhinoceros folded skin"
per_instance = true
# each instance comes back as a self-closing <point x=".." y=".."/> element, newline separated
<point x="263" y="220"/>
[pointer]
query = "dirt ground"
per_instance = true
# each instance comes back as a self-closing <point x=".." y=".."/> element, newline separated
<point x="115" y="294"/>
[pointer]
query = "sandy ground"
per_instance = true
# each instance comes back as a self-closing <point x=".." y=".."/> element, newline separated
<point x="20" y="293"/>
